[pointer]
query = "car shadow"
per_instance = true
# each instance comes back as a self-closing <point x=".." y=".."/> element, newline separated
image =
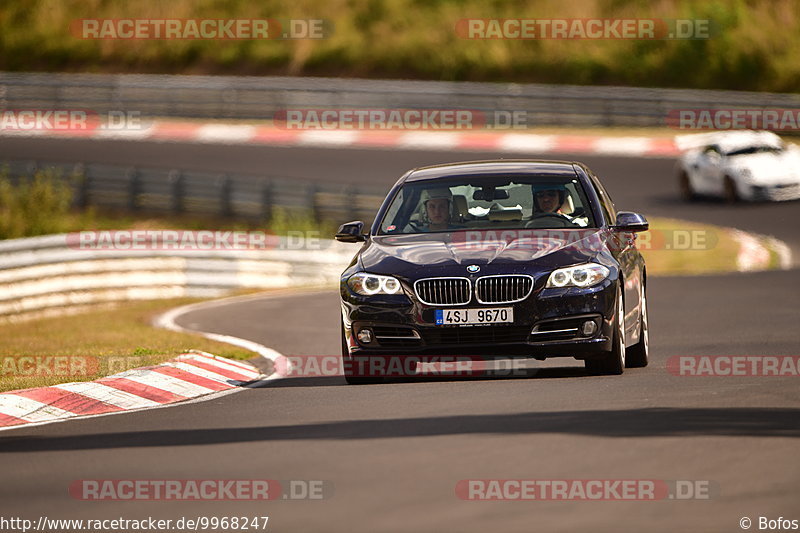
<point x="623" y="423"/>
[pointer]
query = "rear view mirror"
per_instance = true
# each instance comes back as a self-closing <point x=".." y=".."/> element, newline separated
<point x="630" y="222"/>
<point x="489" y="194"/>
<point x="351" y="232"/>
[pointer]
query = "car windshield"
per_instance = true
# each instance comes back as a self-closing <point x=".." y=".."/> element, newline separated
<point x="756" y="150"/>
<point x="495" y="202"/>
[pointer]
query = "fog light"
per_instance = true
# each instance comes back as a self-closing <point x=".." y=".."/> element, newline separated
<point x="364" y="336"/>
<point x="589" y="328"/>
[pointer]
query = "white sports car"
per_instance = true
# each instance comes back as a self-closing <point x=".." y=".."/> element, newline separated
<point x="738" y="165"/>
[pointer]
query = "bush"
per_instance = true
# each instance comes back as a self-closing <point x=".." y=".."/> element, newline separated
<point x="753" y="45"/>
<point x="34" y="206"/>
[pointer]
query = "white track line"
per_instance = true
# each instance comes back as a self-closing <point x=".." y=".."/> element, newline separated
<point x="167" y="321"/>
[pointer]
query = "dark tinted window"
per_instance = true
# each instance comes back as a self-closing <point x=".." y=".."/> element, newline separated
<point x="606" y="203"/>
<point x="488" y="202"/>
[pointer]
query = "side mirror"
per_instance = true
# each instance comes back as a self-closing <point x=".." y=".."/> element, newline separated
<point x="351" y="232"/>
<point x="629" y="222"/>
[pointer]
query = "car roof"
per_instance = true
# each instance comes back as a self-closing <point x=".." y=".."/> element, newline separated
<point x="495" y="167"/>
<point x="728" y="141"/>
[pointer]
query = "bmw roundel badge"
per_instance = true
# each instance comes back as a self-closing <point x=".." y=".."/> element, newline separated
<point x="473" y="268"/>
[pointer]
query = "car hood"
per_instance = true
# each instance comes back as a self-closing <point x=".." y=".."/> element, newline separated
<point x="424" y="255"/>
<point x="767" y="167"/>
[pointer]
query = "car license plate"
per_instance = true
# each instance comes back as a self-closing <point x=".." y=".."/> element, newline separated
<point x="472" y="317"/>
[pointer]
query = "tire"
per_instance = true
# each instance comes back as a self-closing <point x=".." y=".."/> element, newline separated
<point x="731" y="194"/>
<point x="685" y="186"/>
<point x="348" y="371"/>
<point x="613" y="362"/>
<point x="638" y="355"/>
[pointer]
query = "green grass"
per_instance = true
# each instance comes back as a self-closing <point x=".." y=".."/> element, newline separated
<point x="677" y="247"/>
<point x="753" y="44"/>
<point x="96" y="343"/>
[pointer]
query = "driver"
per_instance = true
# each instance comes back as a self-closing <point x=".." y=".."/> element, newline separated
<point x="548" y="198"/>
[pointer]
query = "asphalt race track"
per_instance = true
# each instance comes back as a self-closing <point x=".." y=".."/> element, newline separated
<point x="393" y="453"/>
<point x="646" y="185"/>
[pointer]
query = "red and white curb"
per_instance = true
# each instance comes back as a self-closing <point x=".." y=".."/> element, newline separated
<point x="473" y="140"/>
<point x="754" y="252"/>
<point x="189" y="376"/>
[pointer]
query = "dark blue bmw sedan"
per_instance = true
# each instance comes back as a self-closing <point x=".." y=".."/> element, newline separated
<point x="508" y="258"/>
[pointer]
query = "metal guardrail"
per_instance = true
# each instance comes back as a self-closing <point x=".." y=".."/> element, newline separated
<point x="40" y="273"/>
<point x="239" y="97"/>
<point x="201" y="193"/>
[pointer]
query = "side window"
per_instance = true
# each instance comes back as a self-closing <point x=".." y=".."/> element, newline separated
<point x="606" y="204"/>
<point x="391" y="213"/>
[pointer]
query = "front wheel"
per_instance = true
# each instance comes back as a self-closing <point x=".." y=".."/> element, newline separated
<point x="685" y="185"/>
<point x="731" y="194"/>
<point x="638" y="355"/>
<point x="613" y="362"/>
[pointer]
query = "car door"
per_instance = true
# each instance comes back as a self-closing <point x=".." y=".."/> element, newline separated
<point x="708" y="170"/>
<point x="628" y="257"/>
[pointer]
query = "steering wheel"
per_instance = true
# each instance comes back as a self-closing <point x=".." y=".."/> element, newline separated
<point x="564" y="221"/>
<point x="416" y="227"/>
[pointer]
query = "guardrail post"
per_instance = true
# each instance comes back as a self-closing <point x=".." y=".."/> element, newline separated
<point x="84" y="185"/>
<point x="311" y="200"/>
<point x="266" y="200"/>
<point x="349" y="203"/>
<point x="176" y="185"/>
<point x="608" y="113"/>
<point x="225" y="189"/>
<point x="134" y="187"/>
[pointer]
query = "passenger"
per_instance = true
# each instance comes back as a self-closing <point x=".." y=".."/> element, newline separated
<point x="438" y="209"/>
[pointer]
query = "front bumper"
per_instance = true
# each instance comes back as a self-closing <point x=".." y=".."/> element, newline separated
<point x="775" y="193"/>
<point x="546" y="324"/>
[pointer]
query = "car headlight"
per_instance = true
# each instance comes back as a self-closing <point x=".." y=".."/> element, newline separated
<point x="578" y="276"/>
<point x="370" y="284"/>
